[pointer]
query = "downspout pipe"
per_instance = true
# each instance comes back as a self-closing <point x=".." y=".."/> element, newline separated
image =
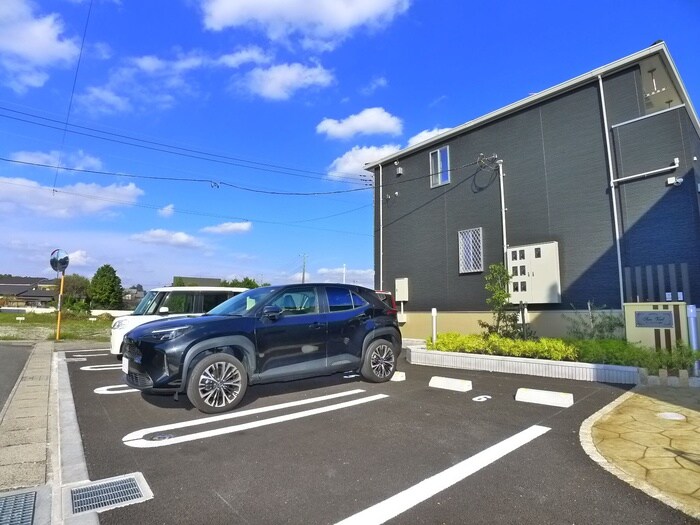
<point x="501" y="176"/>
<point x="611" y="177"/>
<point x="381" y="229"/>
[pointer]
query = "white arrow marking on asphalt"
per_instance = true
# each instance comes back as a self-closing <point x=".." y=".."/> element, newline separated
<point x="401" y="502"/>
<point x="114" y="389"/>
<point x="135" y="439"/>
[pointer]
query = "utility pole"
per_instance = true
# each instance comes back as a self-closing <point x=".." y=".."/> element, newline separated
<point x="303" y="268"/>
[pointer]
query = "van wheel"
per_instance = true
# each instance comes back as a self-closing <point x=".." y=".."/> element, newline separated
<point x="217" y="383"/>
<point x="379" y="364"/>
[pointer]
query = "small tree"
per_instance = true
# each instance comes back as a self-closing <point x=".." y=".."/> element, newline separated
<point x="106" y="288"/>
<point x="505" y="322"/>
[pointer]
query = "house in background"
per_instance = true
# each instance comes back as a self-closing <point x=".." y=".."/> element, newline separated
<point x="587" y="191"/>
<point x="21" y="292"/>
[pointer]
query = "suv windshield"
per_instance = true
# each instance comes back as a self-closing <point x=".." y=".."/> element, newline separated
<point x="145" y="303"/>
<point x="243" y="303"/>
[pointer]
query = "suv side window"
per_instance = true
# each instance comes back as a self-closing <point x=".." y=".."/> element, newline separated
<point x="358" y="301"/>
<point x="339" y="299"/>
<point x="179" y="302"/>
<point x="211" y="299"/>
<point x="298" y="301"/>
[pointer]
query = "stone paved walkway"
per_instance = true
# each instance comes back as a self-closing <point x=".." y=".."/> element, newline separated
<point x="653" y="436"/>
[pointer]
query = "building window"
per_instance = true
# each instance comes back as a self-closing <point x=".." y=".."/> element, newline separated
<point x="439" y="167"/>
<point x="471" y="254"/>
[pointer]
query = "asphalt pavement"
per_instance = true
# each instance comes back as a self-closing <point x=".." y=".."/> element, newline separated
<point x="335" y="465"/>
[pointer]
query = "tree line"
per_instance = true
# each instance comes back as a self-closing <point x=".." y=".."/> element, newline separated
<point x="105" y="291"/>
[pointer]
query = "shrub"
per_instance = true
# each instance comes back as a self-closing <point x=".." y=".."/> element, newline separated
<point x="494" y="344"/>
<point x="596" y="323"/>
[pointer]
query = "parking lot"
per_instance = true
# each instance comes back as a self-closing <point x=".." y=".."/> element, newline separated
<point x="339" y="450"/>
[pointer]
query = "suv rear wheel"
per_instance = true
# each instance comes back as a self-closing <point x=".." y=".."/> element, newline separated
<point x="217" y="383"/>
<point x="379" y="364"/>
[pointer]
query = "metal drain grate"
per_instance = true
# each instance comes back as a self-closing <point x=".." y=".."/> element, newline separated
<point x="17" y="509"/>
<point x="97" y="496"/>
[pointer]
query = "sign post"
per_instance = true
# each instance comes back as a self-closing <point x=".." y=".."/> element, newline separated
<point x="59" y="262"/>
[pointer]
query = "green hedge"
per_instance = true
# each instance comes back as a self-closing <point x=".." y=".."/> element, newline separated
<point x="599" y="351"/>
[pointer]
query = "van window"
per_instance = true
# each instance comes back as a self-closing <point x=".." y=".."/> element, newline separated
<point x="179" y="303"/>
<point x="211" y="299"/>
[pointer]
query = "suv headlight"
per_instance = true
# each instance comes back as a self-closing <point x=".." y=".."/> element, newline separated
<point x="167" y="334"/>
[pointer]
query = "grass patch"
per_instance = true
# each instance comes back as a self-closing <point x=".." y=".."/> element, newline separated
<point x="43" y="327"/>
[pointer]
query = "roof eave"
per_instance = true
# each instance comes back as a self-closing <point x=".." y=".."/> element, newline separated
<point x="612" y="67"/>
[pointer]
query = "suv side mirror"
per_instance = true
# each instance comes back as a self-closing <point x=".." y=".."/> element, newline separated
<point x="163" y="310"/>
<point x="272" y="312"/>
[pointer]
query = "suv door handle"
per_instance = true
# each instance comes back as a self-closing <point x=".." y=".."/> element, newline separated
<point x="316" y="326"/>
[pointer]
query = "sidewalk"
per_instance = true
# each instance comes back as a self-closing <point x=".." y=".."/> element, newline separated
<point x="650" y="438"/>
<point x="29" y="438"/>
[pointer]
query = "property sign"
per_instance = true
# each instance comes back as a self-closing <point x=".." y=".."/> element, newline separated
<point x="653" y="319"/>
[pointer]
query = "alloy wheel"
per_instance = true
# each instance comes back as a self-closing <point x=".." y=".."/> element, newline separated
<point x="219" y="384"/>
<point x="382" y="361"/>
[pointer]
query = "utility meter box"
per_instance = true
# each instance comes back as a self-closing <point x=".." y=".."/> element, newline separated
<point x="534" y="271"/>
<point x="401" y="289"/>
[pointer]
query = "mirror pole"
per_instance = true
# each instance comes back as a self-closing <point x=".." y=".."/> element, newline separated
<point x="60" y="303"/>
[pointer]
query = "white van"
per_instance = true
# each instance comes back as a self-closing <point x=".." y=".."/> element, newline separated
<point x="169" y="301"/>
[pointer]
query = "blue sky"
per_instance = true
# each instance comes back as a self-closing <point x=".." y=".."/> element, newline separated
<point x="226" y="138"/>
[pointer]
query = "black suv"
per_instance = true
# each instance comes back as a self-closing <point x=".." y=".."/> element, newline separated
<point x="274" y="333"/>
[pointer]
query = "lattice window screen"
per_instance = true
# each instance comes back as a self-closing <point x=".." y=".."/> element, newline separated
<point x="471" y="254"/>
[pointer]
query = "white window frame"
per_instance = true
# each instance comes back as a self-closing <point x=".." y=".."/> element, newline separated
<point x="471" y="250"/>
<point x="436" y="177"/>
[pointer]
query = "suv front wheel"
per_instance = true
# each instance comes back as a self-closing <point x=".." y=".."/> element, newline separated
<point x="379" y="364"/>
<point x="217" y="383"/>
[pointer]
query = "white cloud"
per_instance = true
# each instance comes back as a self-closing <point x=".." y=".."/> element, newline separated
<point x="150" y="82"/>
<point x="76" y="160"/>
<point x="374" y="85"/>
<point x="320" y="23"/>
<point x="351" y="164"/>
<point x="103" y="100"/>
<point x="19" y="195"/>
<point x="31" y="44"/>
<point x="281" y="81"/>
<point x="335" y="275"/>
<point x="249" y="55"/>
<point x="370" y="121"/>
<point x="426" y="134"/>
<point x="167" y="211"/>
<point x="170" y="238"/>
<point x="229" y="227"/>
<point x="79" y="258"/>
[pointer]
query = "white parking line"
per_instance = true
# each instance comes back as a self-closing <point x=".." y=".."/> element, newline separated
<point x="99" y="368"/>
<point x="401" y="502"/>
<point x="114" y="389"/>
<point x="135" y="438"/>
<point x="87" y="355"/>
<point x="87" y="350"/>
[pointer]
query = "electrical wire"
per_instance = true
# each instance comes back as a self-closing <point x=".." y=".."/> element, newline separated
<point x="75" y="82"/>
<point x="189" y="212"/>
<point x="211" y="182"/>
<point x="161" y="147"/>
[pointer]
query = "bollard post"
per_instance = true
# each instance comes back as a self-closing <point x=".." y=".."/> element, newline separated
<point x="433" y="312"/>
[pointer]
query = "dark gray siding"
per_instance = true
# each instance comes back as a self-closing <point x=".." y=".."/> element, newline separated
<point x="624" y="99"/>
<point x="660" y="223"/>
<point x="556" y="189"/>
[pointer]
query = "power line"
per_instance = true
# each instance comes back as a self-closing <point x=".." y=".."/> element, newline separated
<point x="187" y="212"/>
<point x="75" y="81"/>
<point x="178" y="150"/>
<point x="213" y="183"/>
